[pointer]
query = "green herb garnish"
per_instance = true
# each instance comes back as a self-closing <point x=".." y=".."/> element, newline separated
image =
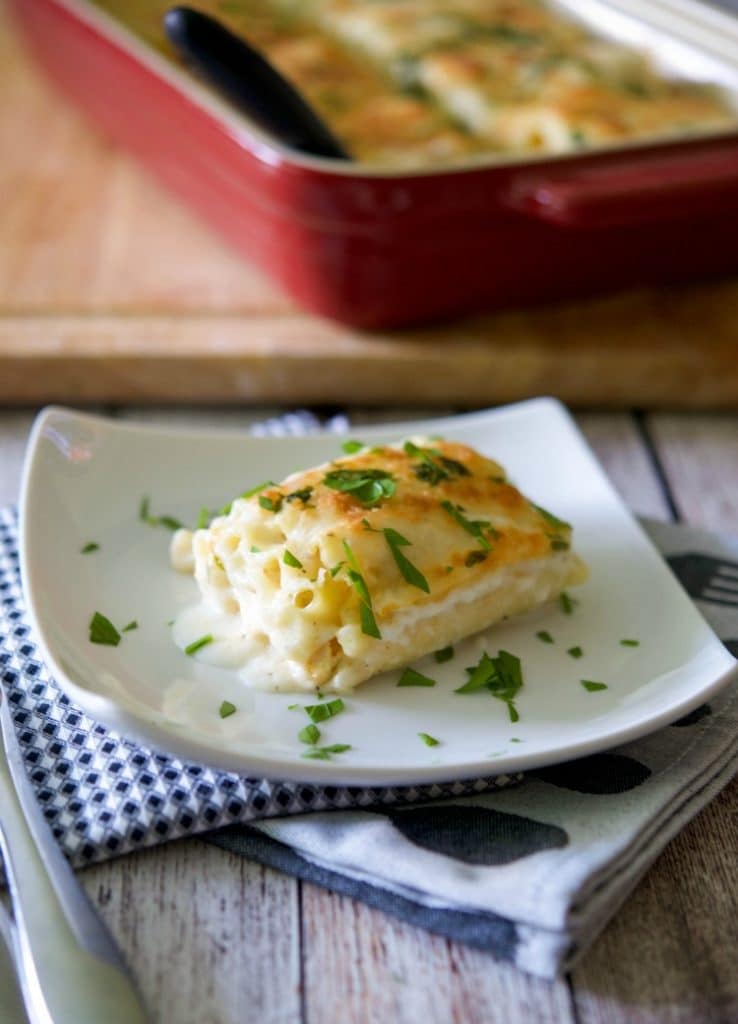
<point x="474" y="557"/>
<point x="271" y="504"/>
<point x="303" y="495"/>
<point x="411" y="573"/>
<point x="475" y="527"/>
<point x="309" y="734"/>
<point x="575" y="652"/>
<point x="227" y="709"/>
<point x="102" y="631"/>
<point x="551" y="519"/>
<point x="430" y="741"/>
<point x="630" y="643"/>
<point x="366" y="614"/>
<point x="412" y="678"/>
<point x="254" y="550"/>
<point x="445" y="654"/>
<point x="545" y="636"/>
<point x="321" y="712"/>
<point x="144" y="514"/>
<point x="130" y="627"/>
<point x="197" y="645"/>
<point x="88" y="548"/>
<point x="203" y="519"/>
<point x="289" y="559"/>
<point x="501" y="676"/>
<point x="591" y="686"/>
<point x="256" y="490"/>
<point x="336" y="568"/>
<point x="568" y="604"/>
<point x="324" y="753"/>
<point x="434" y="467"/>
<point x="351" y="447"/>
<point x="370" y="487"/>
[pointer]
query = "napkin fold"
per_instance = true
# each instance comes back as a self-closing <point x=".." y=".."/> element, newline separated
<point x="531" y="872"/>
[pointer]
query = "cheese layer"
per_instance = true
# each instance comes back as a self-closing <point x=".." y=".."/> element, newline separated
<point x="446" y="549"/>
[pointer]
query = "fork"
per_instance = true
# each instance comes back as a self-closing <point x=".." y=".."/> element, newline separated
<point x="68" y="966"/>
<point x="706" y="578"/>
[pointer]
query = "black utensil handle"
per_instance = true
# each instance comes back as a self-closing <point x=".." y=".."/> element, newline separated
<point x="250" y="82"/>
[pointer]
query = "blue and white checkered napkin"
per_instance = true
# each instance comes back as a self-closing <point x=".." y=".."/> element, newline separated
<point x="530" y="872"/>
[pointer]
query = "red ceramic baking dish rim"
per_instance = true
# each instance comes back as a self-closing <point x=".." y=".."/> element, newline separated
<point x="353" y="208"/>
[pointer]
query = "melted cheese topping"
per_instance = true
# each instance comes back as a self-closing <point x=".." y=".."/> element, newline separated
<point x="279" y="590"/>
<point x="423" y="82"/>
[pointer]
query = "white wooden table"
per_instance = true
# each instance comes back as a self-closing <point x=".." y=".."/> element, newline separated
<point x="214" y="939"/>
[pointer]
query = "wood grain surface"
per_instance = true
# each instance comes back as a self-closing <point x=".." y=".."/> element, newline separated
<point x="214" y="939"/>
<point x="111" y="291"/>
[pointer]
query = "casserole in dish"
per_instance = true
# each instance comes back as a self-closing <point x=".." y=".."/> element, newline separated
<point x="381" y="242"/>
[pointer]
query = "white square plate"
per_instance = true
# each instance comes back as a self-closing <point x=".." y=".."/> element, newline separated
<point x="85" y="477"/>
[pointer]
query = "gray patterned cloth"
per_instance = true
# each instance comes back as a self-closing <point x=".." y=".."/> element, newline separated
<point x="529" y="872"/>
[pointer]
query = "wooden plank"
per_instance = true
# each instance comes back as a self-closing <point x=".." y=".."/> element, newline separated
<point x="112" y="291"/>
<point x="211" y="937"/>
<point x="700" y="456"/>
<point x="367" y="968"/>
<point x="617" y="444"/>
<point x="669" y="954"/>
<point x="293" y="358"/>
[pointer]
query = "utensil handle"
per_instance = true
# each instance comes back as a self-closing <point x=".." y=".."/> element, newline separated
<point x="61" y="981"/>
<point x="645" y="189"/>
<point x="250" y="82"/>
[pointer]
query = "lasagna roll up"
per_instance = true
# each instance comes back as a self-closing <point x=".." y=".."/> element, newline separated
<point x="368" y="562"/>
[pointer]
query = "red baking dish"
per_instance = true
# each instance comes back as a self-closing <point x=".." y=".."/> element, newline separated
<point x="374" y="248"/>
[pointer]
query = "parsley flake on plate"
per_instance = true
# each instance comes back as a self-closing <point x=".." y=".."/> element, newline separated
<point x="226" y="709"/>
<point x="445" y="654"/>
<point x="102" y="631"/>
<point x="89" y="548"/>
<point x="309" y="734"/>
<point x="412" y="678"/>
<point x="144" y="514"/>
<point x="630" y="643"/>
<point x="575" y="652"/>
<point x="501" y="676"/>
<point x="321" y="712"/>
<point x="325" y="753"/>
<point x="591" y="685"/>
<point x="544" y="636"/>
<point x="568" y="603"/>
<point x="197" y="645"/>
<point x="430" y="741"/>
<point x="130" y="627"/>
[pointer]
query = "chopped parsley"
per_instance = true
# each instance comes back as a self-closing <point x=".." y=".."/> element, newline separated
<point x="568" y="603"/>
<point x="336" y="568"/>
<point x="411" y="573"/>
<point x="366" y="614"/>
<point x="144" y="514"/>
<point x="271" y="504"/>
<point x="430" y="741"/>
<point x="434" y="467"/>
<point x="309" y="734"/>
<point x="630" y="643"/>
<point x="197" y="645"/>
<point x="474" y="557"/>
<point x="445" y="654"/>
<point x="203" y="519"/>
<point x="227" y="709"/>
<point x="551" y="519"/>
<point x="501" y="676"/>
<point x="258" y="489"/>
<point x="370" y="487"/>
<point x="102" y="631"/>
<point x="254" y="550"/>
<point x="289" y="559"/>
<point x="303" y="495"/>
<point x="545" y="636"/>
<point x="130" y="627"/>
<point x="592" y="686"/>
<point x="321" y="712"/>
<point x="351" y="447"/>
<point x="412" y="678"/>
<point x="88" y="548"/>
<point x="575" y="652"/>
<point x="325" y="753"/>
<point x="476" y="527"/>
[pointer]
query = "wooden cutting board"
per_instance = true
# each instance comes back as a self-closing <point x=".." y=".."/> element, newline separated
<point x="112" y="291"/>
